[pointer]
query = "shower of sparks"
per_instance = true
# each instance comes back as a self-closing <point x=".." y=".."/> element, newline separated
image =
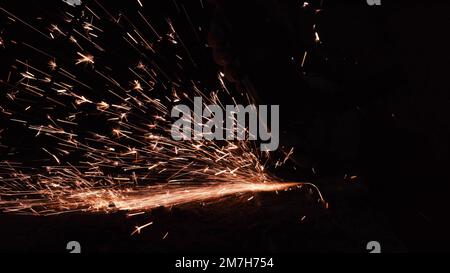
<point x="126" y="160"/>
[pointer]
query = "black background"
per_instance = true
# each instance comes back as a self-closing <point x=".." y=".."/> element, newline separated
<point x="372" y="101"/>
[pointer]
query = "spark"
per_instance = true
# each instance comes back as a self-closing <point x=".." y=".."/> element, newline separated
<point x="52" y="64"/>
<point x="137" y="86"/>
<point x="89" y="59"/>
<point x="54" y="156"/>
<point x="304" y="58"/>
<point x="317" y="37"/>
<point x="139" y="228"/>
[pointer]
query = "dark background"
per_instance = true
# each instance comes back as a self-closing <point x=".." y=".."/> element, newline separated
<point x="371" y="101"/>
